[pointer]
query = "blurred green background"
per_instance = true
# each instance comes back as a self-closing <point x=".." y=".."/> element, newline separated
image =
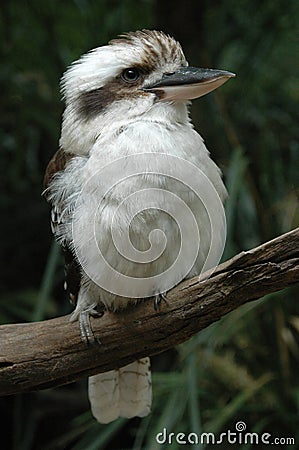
<point x="245" y="367"/>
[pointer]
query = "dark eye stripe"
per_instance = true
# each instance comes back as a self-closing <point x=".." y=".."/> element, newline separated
<point x="94" y="102"/>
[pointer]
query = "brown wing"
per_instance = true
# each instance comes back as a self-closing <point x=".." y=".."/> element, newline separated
<point x="56" y="164"/>
<point x="72" y="273"/>
<point x="72" y="268"/>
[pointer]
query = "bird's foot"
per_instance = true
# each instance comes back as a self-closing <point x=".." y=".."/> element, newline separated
<point x="158" y="298"/>
<point x="83" y="316"/>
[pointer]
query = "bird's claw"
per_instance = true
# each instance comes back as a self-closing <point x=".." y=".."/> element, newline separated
<point x="158" y="299"/>
<point x="86" y="331"/>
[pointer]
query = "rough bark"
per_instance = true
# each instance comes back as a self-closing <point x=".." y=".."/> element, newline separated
<point x="50" y="353"/>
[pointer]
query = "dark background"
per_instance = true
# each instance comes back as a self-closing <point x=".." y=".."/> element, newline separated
<point x="245" y="367"/>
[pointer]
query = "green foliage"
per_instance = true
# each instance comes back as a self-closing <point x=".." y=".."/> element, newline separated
<point x="245" y="366"/>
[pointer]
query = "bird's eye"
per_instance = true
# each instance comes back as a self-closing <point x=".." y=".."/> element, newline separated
<point x="130" y="75"/>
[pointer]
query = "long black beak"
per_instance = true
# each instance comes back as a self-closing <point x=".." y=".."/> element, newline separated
<point x="188" y="83"/>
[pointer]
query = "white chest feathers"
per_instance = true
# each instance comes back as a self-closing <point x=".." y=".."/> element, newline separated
<point x="143" y="211"/>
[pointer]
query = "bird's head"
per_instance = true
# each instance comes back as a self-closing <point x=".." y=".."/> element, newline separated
<point x="140" y="73"/>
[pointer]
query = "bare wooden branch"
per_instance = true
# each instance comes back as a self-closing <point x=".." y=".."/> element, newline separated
<point x="50" y="353"/>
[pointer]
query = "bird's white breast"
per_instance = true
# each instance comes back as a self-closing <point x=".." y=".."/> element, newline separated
<point x="84" y="197"/>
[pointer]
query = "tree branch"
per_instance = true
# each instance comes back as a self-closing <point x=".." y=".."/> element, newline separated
<point x="50" y="353"/>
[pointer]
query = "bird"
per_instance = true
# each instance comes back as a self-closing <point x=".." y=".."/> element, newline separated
<point x="126" y="156"/>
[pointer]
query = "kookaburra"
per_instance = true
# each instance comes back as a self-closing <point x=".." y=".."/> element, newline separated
<point x="123" y="100"/>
